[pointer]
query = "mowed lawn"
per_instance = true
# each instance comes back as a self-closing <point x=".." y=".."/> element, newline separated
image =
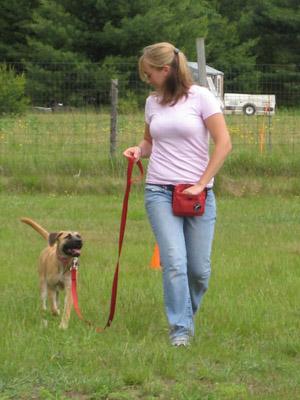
<point x="247" y="343"/>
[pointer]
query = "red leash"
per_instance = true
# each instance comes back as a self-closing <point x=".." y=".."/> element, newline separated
<point x="75" y="264"/>
<point x="74" y="267"/>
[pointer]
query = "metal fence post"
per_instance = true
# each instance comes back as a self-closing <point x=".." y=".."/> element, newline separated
<point x="113" y="116"/>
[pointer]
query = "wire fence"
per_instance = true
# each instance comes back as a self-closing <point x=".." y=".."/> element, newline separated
<point x="88" y="84"/>
<point x="69" y="117"/>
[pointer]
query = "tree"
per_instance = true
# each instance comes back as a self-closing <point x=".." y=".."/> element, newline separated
<point x="15" y="19"/>
<point x="55" y="35"/>
<point x="237" y="34"/>
<point x="52" y="62"/>
<point x="276" y="25"/>
<point x="273" y="24"/>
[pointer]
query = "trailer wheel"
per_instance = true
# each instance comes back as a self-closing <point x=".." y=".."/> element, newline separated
<point x="249" y="109"/>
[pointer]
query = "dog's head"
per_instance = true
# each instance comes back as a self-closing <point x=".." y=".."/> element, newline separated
<point x="68" y="243"/>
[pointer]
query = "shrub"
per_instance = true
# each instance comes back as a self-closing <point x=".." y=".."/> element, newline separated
<point x="128" y="104"/>
<point x="12" y="93"/>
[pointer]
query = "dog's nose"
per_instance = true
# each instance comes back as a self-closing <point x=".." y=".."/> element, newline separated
<point x="77" y="242"/>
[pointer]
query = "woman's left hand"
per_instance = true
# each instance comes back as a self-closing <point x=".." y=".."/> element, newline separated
<point x="194" y="190"/>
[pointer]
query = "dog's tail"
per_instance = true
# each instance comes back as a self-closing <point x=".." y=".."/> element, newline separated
<point x="36" y="227"/>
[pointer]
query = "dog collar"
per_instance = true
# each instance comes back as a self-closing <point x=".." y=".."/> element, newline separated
<point x="65" y="260"/>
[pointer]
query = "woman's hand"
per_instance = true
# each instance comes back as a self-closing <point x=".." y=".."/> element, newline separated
<point x="134" y="152"/>
<point x="194" y="190"/>
<point x="143" y="149"/>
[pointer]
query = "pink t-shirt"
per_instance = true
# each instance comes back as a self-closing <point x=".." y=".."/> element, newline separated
<point x="180" y="140"/>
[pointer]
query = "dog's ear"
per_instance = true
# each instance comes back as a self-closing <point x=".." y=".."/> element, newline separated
<point x="52" y="238"/>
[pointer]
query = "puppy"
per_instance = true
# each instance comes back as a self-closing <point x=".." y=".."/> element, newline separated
<point x="54" y="268"/>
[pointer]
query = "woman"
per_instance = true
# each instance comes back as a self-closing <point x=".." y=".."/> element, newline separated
<point x="180" y="117"/>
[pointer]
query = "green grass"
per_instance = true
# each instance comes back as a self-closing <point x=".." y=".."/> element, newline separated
<point x="55" y="168"/>
<point x="247" y="343"/>
<point x="69" y="153"/>
<point x="74" y="140"/>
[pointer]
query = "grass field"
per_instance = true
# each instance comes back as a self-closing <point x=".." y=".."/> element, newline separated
<point x="55" y="168"/>
<point x="247" y="343"/>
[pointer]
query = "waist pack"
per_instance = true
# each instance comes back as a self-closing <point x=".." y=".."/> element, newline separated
<point x="185" y="205"/>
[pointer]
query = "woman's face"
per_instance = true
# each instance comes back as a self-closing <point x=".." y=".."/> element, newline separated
<point x="156" y="76"/>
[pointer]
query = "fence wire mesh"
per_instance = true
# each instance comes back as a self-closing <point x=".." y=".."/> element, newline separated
<point x="67" y="125"/>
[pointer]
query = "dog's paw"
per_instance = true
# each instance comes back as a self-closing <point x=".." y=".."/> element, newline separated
<point x="63" y="325"/>
<point x="44" y="323"/>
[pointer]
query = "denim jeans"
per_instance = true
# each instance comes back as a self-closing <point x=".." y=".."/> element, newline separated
<point x="185" y="247"/>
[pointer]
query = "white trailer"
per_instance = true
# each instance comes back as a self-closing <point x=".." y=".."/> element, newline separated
<point x="235" y="103"/>
<point x="249" y="104"/>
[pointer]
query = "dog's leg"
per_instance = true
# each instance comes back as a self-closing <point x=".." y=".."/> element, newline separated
<point x="67" y="307"/>
<point x="57" y="300"/>
<point x="53" y="303"/>
<point x="43" y="294"/>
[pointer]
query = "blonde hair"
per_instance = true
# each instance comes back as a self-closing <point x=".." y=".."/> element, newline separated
<point x="179" y="80"/>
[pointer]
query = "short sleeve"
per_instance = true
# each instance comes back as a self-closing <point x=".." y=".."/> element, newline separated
<point x="209" y="104"/>
<point x="148" y="111"/>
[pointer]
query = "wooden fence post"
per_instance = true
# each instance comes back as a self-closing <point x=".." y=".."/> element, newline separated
<point x="201" y="61"/>
<point x="113" y="116"/>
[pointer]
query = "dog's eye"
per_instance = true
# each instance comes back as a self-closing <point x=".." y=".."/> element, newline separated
<point x="69" y="236"/>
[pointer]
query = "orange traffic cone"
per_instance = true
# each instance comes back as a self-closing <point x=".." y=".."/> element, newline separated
<point x="155" y="260"/>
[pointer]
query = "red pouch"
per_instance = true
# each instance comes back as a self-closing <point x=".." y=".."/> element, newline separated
<point x="185" y="205"/>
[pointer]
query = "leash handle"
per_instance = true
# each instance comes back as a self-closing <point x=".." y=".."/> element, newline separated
<point x="114" y="290"/>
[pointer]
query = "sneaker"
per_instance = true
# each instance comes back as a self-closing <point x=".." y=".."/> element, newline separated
<point x="180" y="341"/>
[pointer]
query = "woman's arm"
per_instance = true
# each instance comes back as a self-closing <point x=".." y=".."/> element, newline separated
<point x="218" y="130"/>
<point x="143" y="150"/>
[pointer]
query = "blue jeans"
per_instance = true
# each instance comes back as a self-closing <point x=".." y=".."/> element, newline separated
<point x="185" y="247"/>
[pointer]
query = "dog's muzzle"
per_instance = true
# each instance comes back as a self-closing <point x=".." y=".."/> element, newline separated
<point x="73" y="247"/>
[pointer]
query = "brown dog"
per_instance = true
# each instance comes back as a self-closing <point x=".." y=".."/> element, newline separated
<point x="54" y="268"/>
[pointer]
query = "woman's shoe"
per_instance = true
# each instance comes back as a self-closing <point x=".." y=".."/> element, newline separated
<point x="180" y="341"/>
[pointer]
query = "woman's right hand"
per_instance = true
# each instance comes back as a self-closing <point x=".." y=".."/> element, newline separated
<point x="134" y="152"/>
